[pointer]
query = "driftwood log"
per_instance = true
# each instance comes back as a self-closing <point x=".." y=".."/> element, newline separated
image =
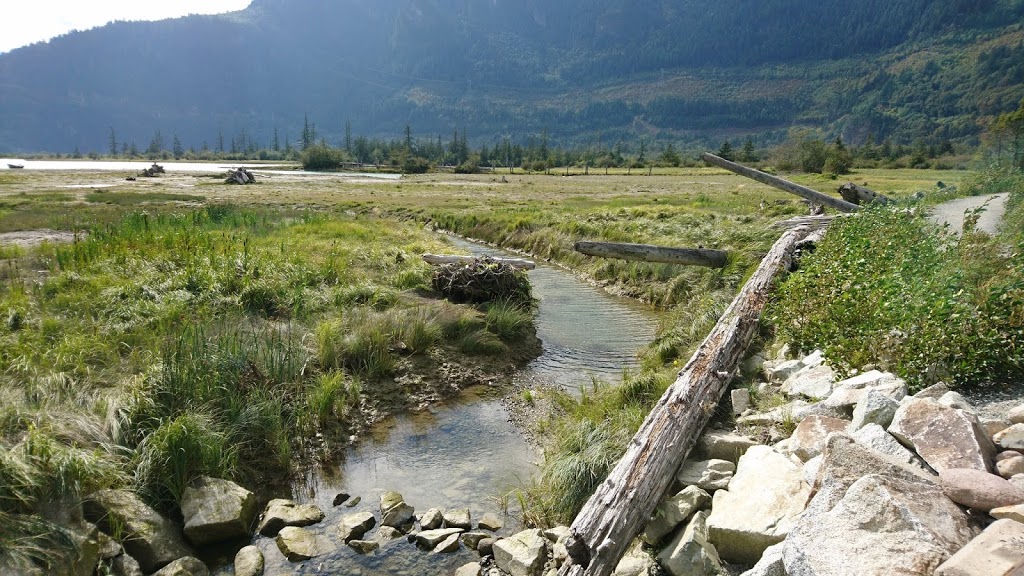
<point x="240" y="176"/>
<point x="624" y="502"/>
<point x="811" y="222"/>
<point x="855" y="194"/>
<point x="647" y="253"/>
<point x="782" y="184"/>
<point x="437" y="259"/>
<point x="152" y="171"/>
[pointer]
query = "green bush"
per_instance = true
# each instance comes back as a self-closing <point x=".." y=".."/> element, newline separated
<point x="319" y="157"/>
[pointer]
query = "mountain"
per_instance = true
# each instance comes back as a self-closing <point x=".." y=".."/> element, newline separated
<point x="580" y="70"/>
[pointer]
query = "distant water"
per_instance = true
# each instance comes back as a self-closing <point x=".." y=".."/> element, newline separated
<point x="171" y="167"/>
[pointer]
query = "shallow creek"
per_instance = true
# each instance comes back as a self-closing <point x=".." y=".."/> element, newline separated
<point x="466" y="453"/>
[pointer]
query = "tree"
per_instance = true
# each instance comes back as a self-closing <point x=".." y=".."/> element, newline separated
<point x="669" y="156"/>
<point x="1011" y="126"/>
<point x="276" y="144"/>
<point x="408" y="139"/>
<point x="839" y="160"/>
<point x="177" y="149"/>
<point x="348" y="138"/>
<point x="156" y="145"/>
<point x="112" y="142"/>
<point x="725" y="151"/>
<point x="748" y="154"/>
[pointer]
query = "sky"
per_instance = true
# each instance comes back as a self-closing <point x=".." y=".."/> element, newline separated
<point x="37" y="20"/>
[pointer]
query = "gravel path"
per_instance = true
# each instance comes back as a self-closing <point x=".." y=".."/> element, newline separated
<point x="952" y="212"/>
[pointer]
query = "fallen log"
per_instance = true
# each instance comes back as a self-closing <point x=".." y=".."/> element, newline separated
<point x="647" y="253"/>
<point x="781" y="184"/>
<point x="240" y="176"/>
<point x="855" y="194"/>
<point x="517" y="263"/>
<point x="625" y="501"/>
<point x="811" y="222"/>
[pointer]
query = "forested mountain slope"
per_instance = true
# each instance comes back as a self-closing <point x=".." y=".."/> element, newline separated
<point x="579" y="69"/>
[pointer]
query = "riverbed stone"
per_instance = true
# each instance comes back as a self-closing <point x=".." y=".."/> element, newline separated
<point x="673" y="512"/>
<point x="394" y="511"/>
<point x="998" y="551"/>
<point x="431" y="538"/>
<point x="458" y="518"/>
<point x="875" y="437"/>
<point x="485" y="547"/>
<point x="978" y="489"/>
<point x="879" y="520"/>
<point x="691" y="553"/>
<point x="1016" y="415"/>
<point x="724" y="445"/>
<point x="708" y="475"/>
<point x="1010" y="467"/>
<point x="153" y="540"/>
<point x="809" y="437"/>
<point x="123" y="565"/>
<point x="874" y="407"/>
<point x="281" y="512"/>
<point x="249" y="561"/>
<point x="353" y="526"/>
<point x="812" y="382"/>
<point x="1011" y="439"/>
<point x="448" y="545"/>
<point x="944" y="437"/>
<point x="762" y="503"/>
<point x="469" y="569"/>
<point x="472" y="539"/>
<point x="432" y="519"/>
<point x="216" y="510"/>
<point x="387" y="534"/>
<point x="490" y="521"/>
<point x="364" y="546"/>
<point x="187" y="566"/>
<point x="522" y="554"/>
<point x="298" y="544"/>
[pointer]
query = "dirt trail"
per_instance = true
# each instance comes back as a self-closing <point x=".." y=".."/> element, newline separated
<point x="952" y="212"/>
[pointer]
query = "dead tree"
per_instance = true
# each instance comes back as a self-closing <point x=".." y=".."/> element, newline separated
<point x="855" y="194"/>
<point x="774" y="181"/>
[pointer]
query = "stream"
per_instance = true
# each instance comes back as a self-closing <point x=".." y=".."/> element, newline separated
<point x="466" y="453"/>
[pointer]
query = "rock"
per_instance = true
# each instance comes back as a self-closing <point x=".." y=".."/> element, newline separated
<point x="690" y="553"/>
<point x="353" y="526"/>
<point x="1012" y="438"/>
<point x="673" y="512"/>
<point x="472" y="539"/>
<point x="154" y="541"/>
<point x="470" y="569"/>
<point x="794" y="411"/>
<point x="762" y="503"/>
<point x="387" y="534"/>
<point x="809" y="437"/>
<point x="934" y="392"/>
<point x="125" y="565"/>
<point x="782" y="370"/>
<point x="809" y="472"/>
<point x="879" y="523"/>
<point x="1010" y="467"/>
<point x="86" y="555"/>
<point x="847" y="393"/>
<point x="249" y="561"/>
<point x="431" y="538"/>
<point x="389" y="499"/>
<point x="1015" y="513"/>
<point x="709" y="475"/>
<point x="1018" y="481"/>
<point x="364" y="546"/>
<point x="979" y="490"/>
<point x="993" y="426"/>
<point x="486" y="546"/>
<point x="740" y="400"/>
<point x="187" y="566"/>
<point x="353" y="502"/>
<point x="875" y="437"/>
<point x="1006" y="455"/>
<point x="873" y="408"/>
<point x="635" y="562"/>
<point x="770" y="564"/>
<point x="999" y="550"/>
<point x="280" y="513"/>
<point x="522" y="554"/>
<point x="340" y="499"/>
<point x="557" y="534"/>
<point x="944" y="437"/>
<point x="394" y="511"/>
<point x="954" y="400"/>
<point x="722" y="445"/>
<point x="108" y="547"/>
<point x="298" y="544"/>
<point x="1016" y="415"/>
<point x="432" y="519"/>
<point x="814" y="383"/>
<point x="447" y="546"/>
<point x="458" y="518"/>
<point x="217" y="510"/>
<point x="490" y="521"/>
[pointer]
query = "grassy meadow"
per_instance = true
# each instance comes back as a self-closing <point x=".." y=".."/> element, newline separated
<point x="190" y="327"/>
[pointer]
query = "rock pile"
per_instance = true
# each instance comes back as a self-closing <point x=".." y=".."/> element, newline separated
<point x="848" y="477"/>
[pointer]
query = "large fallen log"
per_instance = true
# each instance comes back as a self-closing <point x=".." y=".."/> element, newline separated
<point x="647" y="253"/>
<point x="437" y="259"/>
<point x="625" y="501"/>
<point x="781" y="184"/>
<point x="855" y="194"/>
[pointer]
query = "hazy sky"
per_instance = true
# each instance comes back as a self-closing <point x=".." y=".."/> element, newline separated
<point x="34" y="20"/>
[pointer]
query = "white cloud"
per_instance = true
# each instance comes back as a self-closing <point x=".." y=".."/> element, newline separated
<point x="36" y="20"/>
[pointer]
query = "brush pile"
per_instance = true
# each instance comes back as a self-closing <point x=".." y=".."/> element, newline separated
<point x="240" y="176"/>
<point x="481" y="280"/>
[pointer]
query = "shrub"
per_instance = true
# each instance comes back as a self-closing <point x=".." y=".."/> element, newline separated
<point x="508" y="320"/>
<point x="319" y="157"/>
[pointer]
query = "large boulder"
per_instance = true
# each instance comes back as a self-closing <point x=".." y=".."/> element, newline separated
<point x="771" y="562"/>
<point x="690" y="553"/>
<point x="723" y="445"/>
<point x="432" y="519"/>
<point x="979" y="490"/>
<point x="1010" y="467"/>
<point x="809" y="437"/>
<point x="708" y="475"/>
<point x="1015" y="513"/>
<point x="431" y="538"/>
<point x="874" y="407"/>
<point x="353" y="526"/>
<point x="522" y="554"/>
<point x="216" y="510"/>
<point x="812" y="382"/>
<point x="187" y="566"/>
<point x="394" y="512"/>
<point x="490" y="521"/>
<point x="875" y="437"/>
<point x="879" y="523"/>
<point x="848" y="393"/>
<point x="458" y="518"/>
<point x="298" y="544"/>
<point x="944" y="437"/>
<point x="249" y="561"/>
<point x="124" y="565"/>
<point x="1016" y="415"/>
<point x="280" y="513"/>
<point x="673" y="512"/>
<point x="998" y="551"/>
<point x="763" y="501"/>
<point x="154" y="541"/>
<point x="1012" y="438"/>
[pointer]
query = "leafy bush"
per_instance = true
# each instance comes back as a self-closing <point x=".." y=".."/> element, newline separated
<point x="318" y="157"/>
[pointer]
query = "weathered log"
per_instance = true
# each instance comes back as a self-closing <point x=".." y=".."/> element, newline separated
<point x="781" y="184"/>
<point x="517" y="263"/>
<point x="860" y="195"/>
<point x="624" y="502"/>
<point x="647" y="253"/>
<point x="812" y="222"/>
